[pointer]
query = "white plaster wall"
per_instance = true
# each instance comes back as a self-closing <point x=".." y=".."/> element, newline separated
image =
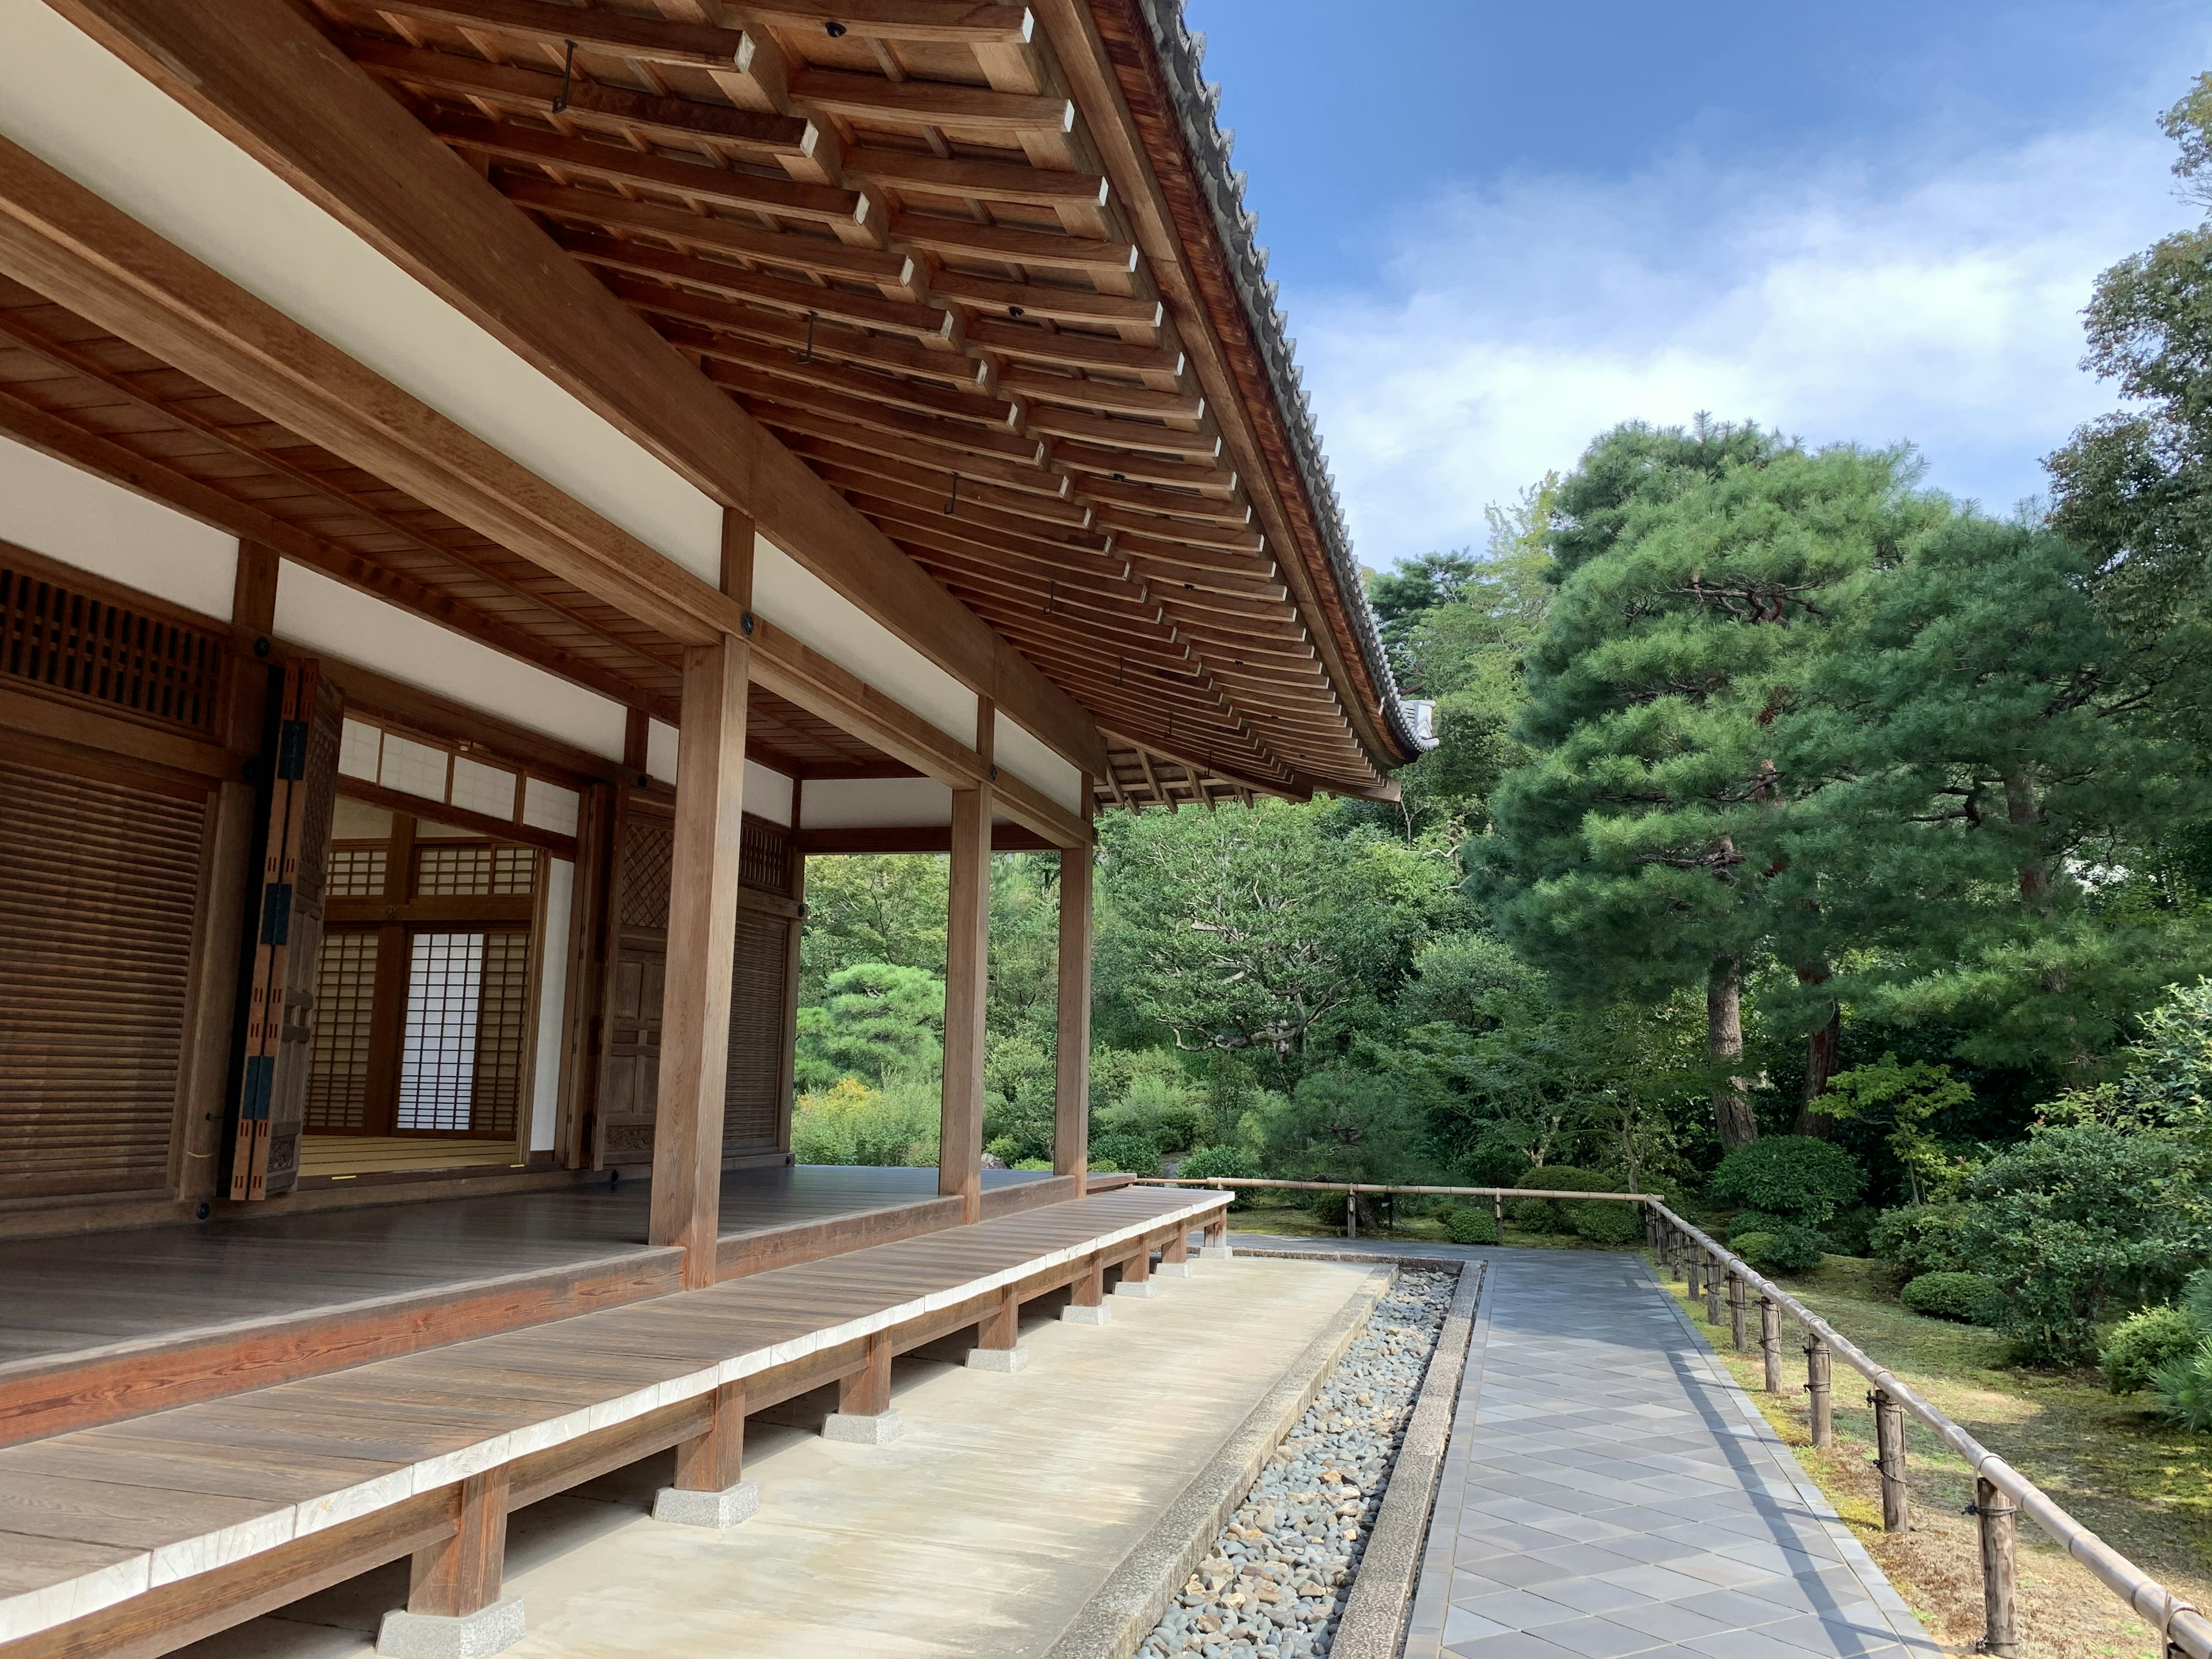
<point x="660" y="749"/>
<point x="323" y="615"/>
<point x="1014" y="750"/>
<point x="767" y="793"/>
<point x="552" y="1005"/>
<point x="874" y="803"/>
<point x="85" y="112"/>
<point x="52" y="507"/>
<point x="817" y="614"/>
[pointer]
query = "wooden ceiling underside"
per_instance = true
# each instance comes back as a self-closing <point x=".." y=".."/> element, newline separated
<point x="125" y="413"/>
<point x="880" y="227"/>
<point x="1137" y="778"/>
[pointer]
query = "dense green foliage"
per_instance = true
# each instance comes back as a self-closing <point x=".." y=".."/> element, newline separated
<point x="1822" y="851"/>
<point x="2142" y="1342"/>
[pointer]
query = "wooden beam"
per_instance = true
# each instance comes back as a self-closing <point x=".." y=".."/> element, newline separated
<point x="979" y="181"/>
<point x="619" y="164"/>
<point x="60" y="239"/>
<point x="797" y="346"/>
<point x="682" y="119"/>
<point x="919" y="322"/>
<point x="815" y="253"/>
<point x="954" y="24"/>
<point x="967" y="988"/>
<point x="647" y="39"/>
<point x="273" y="83"/>
<point x="1061" y="305"/>
<point x="1070" y="1113"/>
<point x="916" y="838"/>
<point x="695" y="1029"/>
<point x="715" y="1461"/>
<point x="1074" y="350"/>
<point x="1049" y="250"/>
<point x="930" y="103"/>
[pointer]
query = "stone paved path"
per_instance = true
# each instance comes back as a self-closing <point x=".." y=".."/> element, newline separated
<point x="1610" y="1491"/>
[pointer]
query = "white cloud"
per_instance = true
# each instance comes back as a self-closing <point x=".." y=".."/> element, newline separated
<point x="1937" y="303"/>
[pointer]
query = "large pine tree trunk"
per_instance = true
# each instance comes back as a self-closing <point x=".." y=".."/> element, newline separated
<point x="1724" y="1042"/>
<point x="2020" y="809"/>
<point x="1823" y="1048"/>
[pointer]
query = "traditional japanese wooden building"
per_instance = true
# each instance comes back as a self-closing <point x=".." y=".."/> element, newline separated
<point x="488" y="487"/>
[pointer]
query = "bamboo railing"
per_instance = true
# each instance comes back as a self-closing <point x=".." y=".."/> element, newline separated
<point x="2000" y="1491"/>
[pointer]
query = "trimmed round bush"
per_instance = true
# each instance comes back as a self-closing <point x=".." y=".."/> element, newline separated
<point x="1793" y="1248"/>
<point x="1614" y="1225"/>
<point x="1466" y="1225"/>
<point x="2142" y="1342"/>
<point x="1232" y="1162"/>
<point x="1921" y="1238"/>
<point x="1134" y="1153"/>
<point x="1545" y="1215"/>
<point x="1744" y="1223"/>
<point x="1801" y="1176"/>
<point x="1962" y="1298"/>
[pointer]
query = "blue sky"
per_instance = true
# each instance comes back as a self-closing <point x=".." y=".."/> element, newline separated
<point x="1502" y="228"/>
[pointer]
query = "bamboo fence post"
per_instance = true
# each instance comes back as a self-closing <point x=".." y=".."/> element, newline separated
<point x="1889" y="1458"/>
<point x="1816" y="1386"/>
<point x="1769" y="1342"/>
<point x="1497" y="1214"/>
<point x="1993" y="1512"/>
<point x="1351" y="1211"/>
<point x="1674" y="1242"/>
<point x="1713" y="1292"/>
<point x="1696" y="1269"/>
<point x="1736" y="1311"/>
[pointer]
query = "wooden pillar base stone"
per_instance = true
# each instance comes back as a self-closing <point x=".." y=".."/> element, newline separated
<point x="864" y="1416"/>
<point x="1086" y="1304"/>
<point x="998" y="1338"/>
<point x="454" y="1609"/>
<point x="1216" y="1246"/>
<point x="1175" y="1256"/>
<point x="404" y="1635"/>
<point x="710" y="1490"/>
<point x="1137" y="1275"/>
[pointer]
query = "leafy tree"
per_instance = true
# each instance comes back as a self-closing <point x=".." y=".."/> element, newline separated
<point x="1700" y="573"/>
<point x="1341" y="1126"/>
<point x="883" y="907"/>
<point x="1799" y="1176"/>
<point x="876" y="1021"/>
<point x="1908" y="1097"/>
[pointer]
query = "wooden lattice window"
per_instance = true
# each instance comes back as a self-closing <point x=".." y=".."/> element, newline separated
<point x="119" y="656"/>
<point x="462" y="1059"/>
<point x="648" y="857"/>
<point x="762" y="856"/>
<point x="474" y="869"/>
<point x="357" y="872"/>
<point x="345" y="1008"/>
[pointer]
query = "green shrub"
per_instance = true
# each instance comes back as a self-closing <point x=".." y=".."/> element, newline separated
<point x="1797" y="1175"/>
<point x="2196" y="1298"/>
<point x="2142" y="1342"/>
<point x="1616" y="1225"/>
<point x="1134" y="1153"/>
<point x="1746" y="1222"/>
<point x="1233" y="1161"/>
<point x="850" y="1122"/>
<point x="1921" y="1238"/>
<point x="2082" y="1222"/>
<point x="1545" y="1215"/>
<point x="1468" y="1225"/>
<point x="2183" y="1385"/>
<point x="1849" y="1231"/>
<point x="1964" y="1298"/>
<point x="1032" y="1163"/>
<point x="1794" y="1249"/>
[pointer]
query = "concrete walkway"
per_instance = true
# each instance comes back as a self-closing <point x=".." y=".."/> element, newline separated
<point x="1610" y="1491"/>
<point x="982" y="1531"/>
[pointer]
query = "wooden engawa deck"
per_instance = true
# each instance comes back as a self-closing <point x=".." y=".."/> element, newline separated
<point x="130" y="1524"/>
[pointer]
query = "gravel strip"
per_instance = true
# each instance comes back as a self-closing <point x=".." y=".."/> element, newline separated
<point x="1276" y="1582"/>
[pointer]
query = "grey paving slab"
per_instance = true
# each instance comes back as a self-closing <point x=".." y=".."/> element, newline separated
<point x="1610" y="1491"/>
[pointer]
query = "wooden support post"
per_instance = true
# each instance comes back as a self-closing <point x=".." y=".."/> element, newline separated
<point x="1215" y="1245"/>
<point x="1071" y="1114"/>
<point x="1769" y="1342"/>
<point x="710" y="1488"/>
<point x="967" y="976"/>
<point x="864" y="1414"/>
<point x="694" y="1028"/>
<point x="1137" y="1274"/>
<point x="1174" y="1254"/>
<point x="460" y="1576"/>
<point x="1889" y="1458"/>
<point x="1498" y="1215"/>
<point x="1736" y="1320"/>
<point x="1694" y="1267"/>
<point x="1714" y="1274"/>
<point x="1816" y="1388"/>
<point x="1674" y="1255"/>
<point x="1087" y="1299"/>
<point x="2000" y="1572"/>
<point x="1351" y="1212"/>
<point x="1001" y="1326"/>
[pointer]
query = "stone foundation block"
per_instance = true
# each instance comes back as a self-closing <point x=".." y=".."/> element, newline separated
<point x="1172" y="1270"/>
<point x="1216" y="1252"/>
<point x="477" y="1635"/>
<point x="1100" y="1315"/>
<point x="997" y="1360"/>
<point x="725" y="1508"/>
<point x="879" y="1430"/>
<point x="1136" y="1287"/>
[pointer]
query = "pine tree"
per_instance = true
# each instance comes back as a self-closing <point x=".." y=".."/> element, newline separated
<point x="1651" y="845"/>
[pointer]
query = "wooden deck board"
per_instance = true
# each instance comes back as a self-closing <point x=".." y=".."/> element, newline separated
<point x="369" y="1436"/>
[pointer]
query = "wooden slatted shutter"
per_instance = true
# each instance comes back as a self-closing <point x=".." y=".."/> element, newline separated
<point x="630" y="1056"/>
<point x="287" y="936"/>
<point x="99" y="891"/>
<point x="751" y="1114"/>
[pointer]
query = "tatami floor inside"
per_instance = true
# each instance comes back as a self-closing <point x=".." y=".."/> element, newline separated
<point x="89" y="1292"/>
